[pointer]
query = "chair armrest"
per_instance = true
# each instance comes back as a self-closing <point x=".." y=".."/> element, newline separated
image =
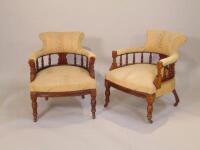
<point x="33" y="71"/>
<point x="36" y="54"/>
<point x="170" y="60"/>
<point x="33" y="58"/>
<point x="32" y="63"/>
<point x="86" y="52"/>
<point x="91" y="58"/>
<point x="122" y="51"/>
<point x="129" y="50"/>
<point x="162" y="65"/>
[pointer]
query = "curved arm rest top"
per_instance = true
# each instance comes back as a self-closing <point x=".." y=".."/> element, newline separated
<point x="36" y="54"/>
<point x="170" y="59"/>
<point x="34" y="67"/>
<point x="87" y="53"/>
<point x="40" y="53"/>
<point x="129" y="50"/>
<point x="165" y="69"/>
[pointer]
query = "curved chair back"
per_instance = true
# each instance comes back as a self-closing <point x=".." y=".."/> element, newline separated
<point x="164" y="42"/>
<point x="56" y="42"/>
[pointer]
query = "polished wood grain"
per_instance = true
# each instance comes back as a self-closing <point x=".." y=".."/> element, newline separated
<point x="150" y="100"/>
<point x="34" y="106"/>
<point x="176" y="98"/>
<point x="33" y="70"/>
<point x="93" y="103"/>
<point x="114" y="63"/>
<point x="107" y="93"/>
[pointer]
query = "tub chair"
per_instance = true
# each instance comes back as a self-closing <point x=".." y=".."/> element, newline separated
<point x="147" y="72"/>
<point x="62" y="68"/>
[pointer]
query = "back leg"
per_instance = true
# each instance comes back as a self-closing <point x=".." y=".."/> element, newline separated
<point x="34" y="106"/>
<point x="176" y="97"/>
<point x="107" y="93"/>
<point x="93" y="103"/>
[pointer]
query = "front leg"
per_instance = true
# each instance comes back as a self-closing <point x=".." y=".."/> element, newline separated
<point x="93" y="103"/>
<point x="150" y="100"/>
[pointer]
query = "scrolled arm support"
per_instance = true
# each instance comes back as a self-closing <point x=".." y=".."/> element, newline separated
<point x="114" y="63"/>
<point x="91" y="67"/>
<point x="158" y="80"/>
<point x="32" y="69"/>
<point x="165" y="70"/>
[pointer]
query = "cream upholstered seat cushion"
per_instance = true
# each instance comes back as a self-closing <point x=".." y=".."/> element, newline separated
<point x="62" y="79"/>
<point x="139" y="77"/>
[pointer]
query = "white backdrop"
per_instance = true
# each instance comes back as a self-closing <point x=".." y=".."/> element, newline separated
<point x="107" y="24"/>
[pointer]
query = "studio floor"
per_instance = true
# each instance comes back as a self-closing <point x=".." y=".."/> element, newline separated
<point x="65" y="123"/>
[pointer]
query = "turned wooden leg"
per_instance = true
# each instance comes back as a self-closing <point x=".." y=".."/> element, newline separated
<point x="83" y="96"/>
<point x="150" y="100"/>
<point x="34" y="106"/>
<point x="46" y="98"/>
<point x="107" y="93"/>
<point x="93" y="103"/>
<point x="176" y="97"/>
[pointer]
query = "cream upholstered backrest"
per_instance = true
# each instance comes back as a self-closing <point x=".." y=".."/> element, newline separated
<point x="164" y="42"/>
<point x="61" y="41"/>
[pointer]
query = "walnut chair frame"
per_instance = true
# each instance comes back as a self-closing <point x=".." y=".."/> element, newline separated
<point x="39" y="64"/>
<point x="169" y="73"/>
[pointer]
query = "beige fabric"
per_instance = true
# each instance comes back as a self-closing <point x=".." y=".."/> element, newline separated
<point x="62" y="79"/>
<point x="139" y="77"/>
<point x="160" y="41"/>
<point x="61" y="41"/>
<point x="129" y="50"/>
<point x="170" y="60"/>
<point x="164" y="42"/>
<point x="153" y="40"/>
<point x="171" y="42"/>
<point x="39" y="53"/>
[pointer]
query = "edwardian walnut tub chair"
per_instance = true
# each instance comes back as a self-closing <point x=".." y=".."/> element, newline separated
<point x="62" y="68"/>
<point x="147" y="72"/>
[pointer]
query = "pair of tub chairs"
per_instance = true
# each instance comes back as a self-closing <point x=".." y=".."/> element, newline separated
<point x="64" y="68"/>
